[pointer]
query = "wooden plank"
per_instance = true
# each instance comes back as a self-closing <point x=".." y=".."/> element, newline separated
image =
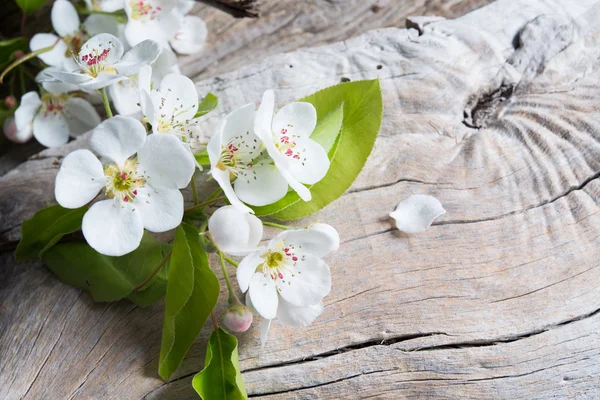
<point x="497" y="300"/>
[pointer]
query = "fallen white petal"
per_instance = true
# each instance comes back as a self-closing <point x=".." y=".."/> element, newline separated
<point x="416" y="213"/>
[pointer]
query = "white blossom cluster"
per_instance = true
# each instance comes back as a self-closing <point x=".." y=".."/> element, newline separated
<point x="138" y="161"/>
<point x="78" y="66"/>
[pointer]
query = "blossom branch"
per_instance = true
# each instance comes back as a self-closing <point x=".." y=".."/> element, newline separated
<point x="25" y="58"/>
<point x="232" y="297"/>
<point x="236" y="8"/>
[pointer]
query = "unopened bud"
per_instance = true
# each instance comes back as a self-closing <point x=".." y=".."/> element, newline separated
<point x="237" y="318"/>
<point x="13" y="134"/>
<point x="10" y="102"/>
<point x="19" y="54"/>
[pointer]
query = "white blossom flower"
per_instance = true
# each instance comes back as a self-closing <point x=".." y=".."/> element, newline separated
<point x="143" y="188"/>
<point x="105" y="5"/>
<point x="235" y="232"/>
<point x="288" y="279"/>
<point x="71" y="35"/>
<point x="125" y="94"/>
<point x="286" y="137"/>
<point x="164" y="21"/>
<point x="55" y="116"/>
<point x="235" y="152"/>
<point x="102" y="63"/>
<point x="171" y="109"/>
<point x="416" y="213"/>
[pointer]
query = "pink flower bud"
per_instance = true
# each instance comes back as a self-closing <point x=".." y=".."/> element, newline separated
<point x="13" y="134"/>
<point x="237" y="318"/>
<point x="10" y="102"/>
<point x="19" y="54"/>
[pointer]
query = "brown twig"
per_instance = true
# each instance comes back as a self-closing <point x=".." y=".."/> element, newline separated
<point x="237" y="8"/>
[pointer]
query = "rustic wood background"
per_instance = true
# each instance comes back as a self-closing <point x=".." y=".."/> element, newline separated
<point x="495" y="113"/>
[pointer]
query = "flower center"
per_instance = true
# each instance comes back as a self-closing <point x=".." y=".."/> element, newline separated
<point x="280" y="262"/>
<point x="53" y="104"/>
<point x="123" y="183"/>
<point x="236" y="156"/>
<point x="143" y="11"/>
<point x="93" y="62"/>
<point x="286" y="144"/>
<point x="75" y="41"/>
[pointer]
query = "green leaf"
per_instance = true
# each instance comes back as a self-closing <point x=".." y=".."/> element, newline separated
<point x="221" y="378"/>
<point x="208" y="103"/>
<point x="29" y="6"/>
<point x="202" y="158"/>
<point x="42" y="231"/>
<point x="8" y="48"/>
<point x="328" y="129"/>
<point x="109" y="278"/>
<point x="192" y="293"/>
<point x="362" y="107"/>
<point x="152" y="292"/>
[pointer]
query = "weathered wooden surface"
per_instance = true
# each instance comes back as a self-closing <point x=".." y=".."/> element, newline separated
<point x="499" y="299"/>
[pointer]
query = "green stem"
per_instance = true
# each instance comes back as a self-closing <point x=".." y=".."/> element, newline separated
<point x="102" y="92"/>
<point x="143" y="284"/>
<point x="195" y="191"/>
<point x="232" y="296"/>
<point x="202" y="205"/>
<point x="231" y="260"/>
<point x="273" y="224"/>
<point x="214" y="194"/>
<point x="25" y="58"/>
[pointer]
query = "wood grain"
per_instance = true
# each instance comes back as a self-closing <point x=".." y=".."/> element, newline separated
<point x="494" y="113"/>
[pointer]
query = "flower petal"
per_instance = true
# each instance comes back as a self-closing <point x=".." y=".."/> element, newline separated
<point x="222" y="178"/>
<point x="235" y="232"/>
<point x="264" y="326"/>
<point x="330" y="231"/>
<point x="72" y="78"/>
<point x="264" y="116"/>
<point x="79" y="179"/>
<point x="177" y="99"/>
<point x="25" y="113"/>
<point x="298" y="187"/>
<point x="81" y="116"/>
<point x="165" y="64"/>
<point x="306" y="283"/>
<point x="416" y="213"/>
<point x="161" y="210"/>
<point x="166" y="162"/>
<point x="263" y="295"/>
<point x="191" y="36"/>
<point x="97" y="45"/>
<point x="297" y="119"/>
<point x="112" y="229"/>
<point x="118" y="138"/>
<point x="261" y="185"/>
<point x="101" y="81"/>
<point x="96" y="24"/>
<point x="51" y="129"/>
<point x="52" y="86"/>
<point x="54" y="57"/>
<point x="144" y="53"/>
<point x="312" y="164"/>
<point x="245" y="271"/>
<point x="298" y="317"/>
<point x="125" y="96"/>
<point x="309" y="241"/>
<point x="65" y="19"/>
